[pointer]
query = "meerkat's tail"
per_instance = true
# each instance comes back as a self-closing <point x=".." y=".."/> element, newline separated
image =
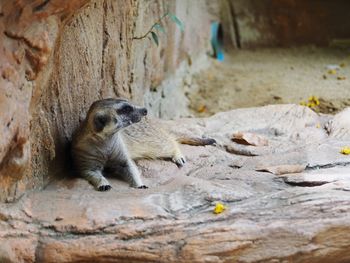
<point x="196" y="141"/>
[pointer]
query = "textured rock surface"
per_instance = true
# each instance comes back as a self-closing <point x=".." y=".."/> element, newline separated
<point x="57" y="57"/>
<point x="269" y="218"/>
<point x="29" y="33"/>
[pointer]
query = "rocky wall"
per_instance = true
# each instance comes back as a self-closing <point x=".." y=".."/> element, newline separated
<point x="57" y="57"/>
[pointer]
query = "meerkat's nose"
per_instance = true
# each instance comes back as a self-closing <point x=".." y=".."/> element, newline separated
<point x="144" y="111"/>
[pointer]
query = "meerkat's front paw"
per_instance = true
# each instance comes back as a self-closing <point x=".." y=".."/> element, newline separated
<point x="142" y="187"/>
<point x="104" y="188"/>
<point x="102" y="184"/>
<point x="179" y="161"/>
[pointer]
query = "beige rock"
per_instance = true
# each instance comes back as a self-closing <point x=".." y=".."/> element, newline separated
<point x="283" y="169"/>
<point x="339" y="126"/>
<point x="249" y="138"/>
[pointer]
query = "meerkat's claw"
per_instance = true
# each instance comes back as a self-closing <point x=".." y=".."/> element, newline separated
<point x="142" y="187"/>
<point x="183" y="161"/>
<point x="104" y="188"/>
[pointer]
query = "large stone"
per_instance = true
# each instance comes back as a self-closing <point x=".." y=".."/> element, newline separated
<point x="290" y="218"/>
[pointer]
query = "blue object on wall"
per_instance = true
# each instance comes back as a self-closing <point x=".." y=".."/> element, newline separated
<point x="216" y="40"/>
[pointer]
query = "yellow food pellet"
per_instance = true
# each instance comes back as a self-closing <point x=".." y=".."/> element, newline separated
<point x="345" y="150"/>
<point x="332" y="72"/>
<point x="342" y="65"/>
<point x="219" y="208"/>
<point x="341" y="78"/>
<point x="202" y="108"/>
<point x="311" y="104"/>
<point x="314" y="100"/>
<point x="318" y="125"/>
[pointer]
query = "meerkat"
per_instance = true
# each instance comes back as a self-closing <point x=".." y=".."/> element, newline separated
<point x="114" y="134"/>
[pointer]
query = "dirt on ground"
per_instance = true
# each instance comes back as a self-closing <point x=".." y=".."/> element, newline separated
<point x="249" y="78"/>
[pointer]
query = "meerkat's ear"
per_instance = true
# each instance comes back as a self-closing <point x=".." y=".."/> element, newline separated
<point x="100" y="121"/>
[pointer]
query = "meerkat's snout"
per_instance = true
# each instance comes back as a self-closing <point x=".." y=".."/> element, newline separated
<point x="144" y="111"/>
<point x="135" y="115"/>
<point x="141" y="111"/>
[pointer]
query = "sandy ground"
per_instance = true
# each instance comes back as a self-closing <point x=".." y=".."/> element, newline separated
<point x="249" y="78"/>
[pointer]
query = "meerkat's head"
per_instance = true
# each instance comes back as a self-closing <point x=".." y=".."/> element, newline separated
<point x="108" y="116"/>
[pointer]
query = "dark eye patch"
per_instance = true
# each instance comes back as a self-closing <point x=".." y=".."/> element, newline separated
<point x="100" y="122"/>
<point x="125" y="109"/>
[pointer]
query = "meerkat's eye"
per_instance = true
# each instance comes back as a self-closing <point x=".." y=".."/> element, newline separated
<point x="125" y="109"/>
<point x="100" y="122"/>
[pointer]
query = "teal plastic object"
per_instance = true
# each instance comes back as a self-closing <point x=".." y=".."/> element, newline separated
<point x="216" y="40"/>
